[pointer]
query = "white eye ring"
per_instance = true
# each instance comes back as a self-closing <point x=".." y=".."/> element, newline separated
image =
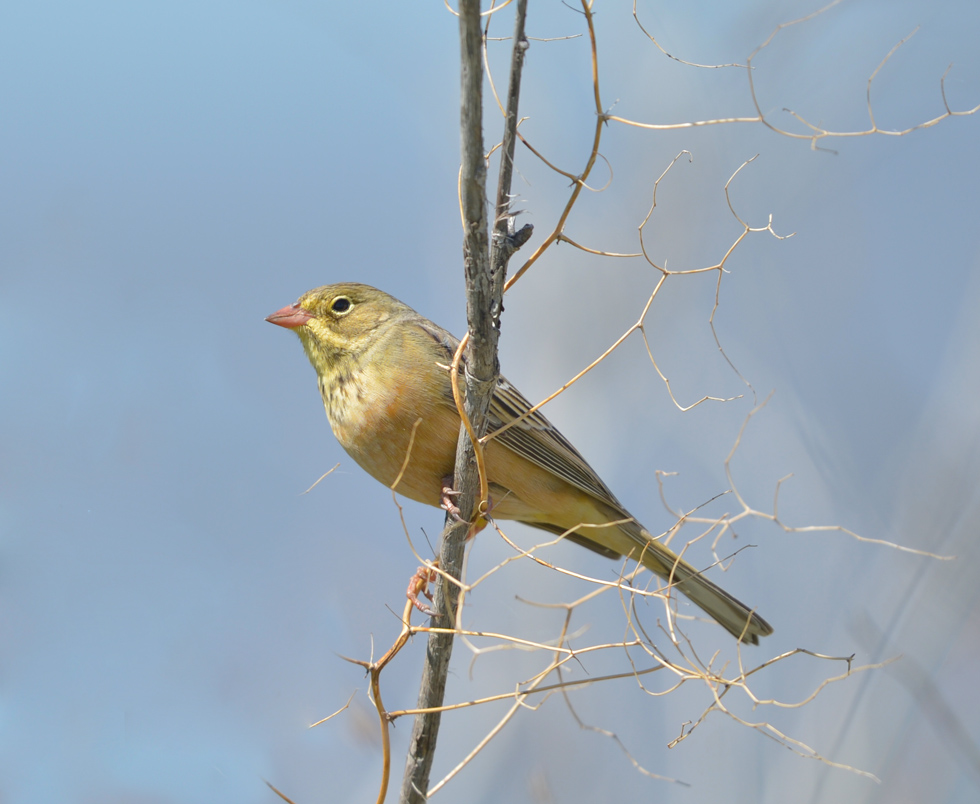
<point x="342" y="305"/>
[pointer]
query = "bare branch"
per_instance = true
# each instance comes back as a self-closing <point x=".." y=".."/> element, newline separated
<point x="485" y="270"/>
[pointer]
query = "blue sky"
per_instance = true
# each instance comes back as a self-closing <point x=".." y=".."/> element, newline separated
<point x="174" y="609"/>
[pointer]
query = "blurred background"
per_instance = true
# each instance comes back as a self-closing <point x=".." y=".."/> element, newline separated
<point x="173" y="609"/>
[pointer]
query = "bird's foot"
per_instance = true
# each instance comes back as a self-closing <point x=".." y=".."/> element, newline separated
<point x="481" y="520"/>
<point x="446" y="500"/>
<point x="419" y="584"/>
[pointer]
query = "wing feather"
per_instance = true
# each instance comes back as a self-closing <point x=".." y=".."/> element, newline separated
<point x="534" y="437"/>
<point x="539" y="441"/>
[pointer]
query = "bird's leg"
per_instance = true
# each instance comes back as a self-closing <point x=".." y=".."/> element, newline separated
<point x="448" y="492"/>
<point x="419" y="583"/>
<point x="448" y="505"/>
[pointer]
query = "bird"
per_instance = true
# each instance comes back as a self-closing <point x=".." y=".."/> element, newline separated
<point x="383" y="371"/>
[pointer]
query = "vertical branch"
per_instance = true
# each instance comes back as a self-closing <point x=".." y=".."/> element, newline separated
<point x="505" y="240"/>
<point x="484" y="291"/>
<point x="578" y="181"/>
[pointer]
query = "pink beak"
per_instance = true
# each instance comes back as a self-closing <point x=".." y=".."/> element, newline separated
<point x="290" y="317"/>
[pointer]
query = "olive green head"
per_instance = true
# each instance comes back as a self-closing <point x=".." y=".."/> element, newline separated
<point x="337" y="321"/>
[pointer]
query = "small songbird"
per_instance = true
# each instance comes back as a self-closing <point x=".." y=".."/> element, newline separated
<point x="382" y="368"/>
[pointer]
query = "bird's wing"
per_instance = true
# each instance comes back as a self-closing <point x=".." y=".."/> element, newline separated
<point x="539" y="441"/>
<point x="533" y="437"/>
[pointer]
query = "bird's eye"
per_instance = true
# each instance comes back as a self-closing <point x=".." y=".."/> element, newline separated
<point x="341" y="305"/>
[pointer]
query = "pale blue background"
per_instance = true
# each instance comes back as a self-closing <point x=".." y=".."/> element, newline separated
<point x="172" y="610"/>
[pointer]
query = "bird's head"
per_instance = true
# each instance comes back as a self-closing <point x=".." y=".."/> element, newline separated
<point x="334" y="321"/>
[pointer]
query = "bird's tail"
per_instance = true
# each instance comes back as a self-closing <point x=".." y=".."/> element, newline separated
<point x="733" y="615"/>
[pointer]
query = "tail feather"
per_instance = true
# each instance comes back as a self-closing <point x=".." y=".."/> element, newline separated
<point x="731" y="614"/>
